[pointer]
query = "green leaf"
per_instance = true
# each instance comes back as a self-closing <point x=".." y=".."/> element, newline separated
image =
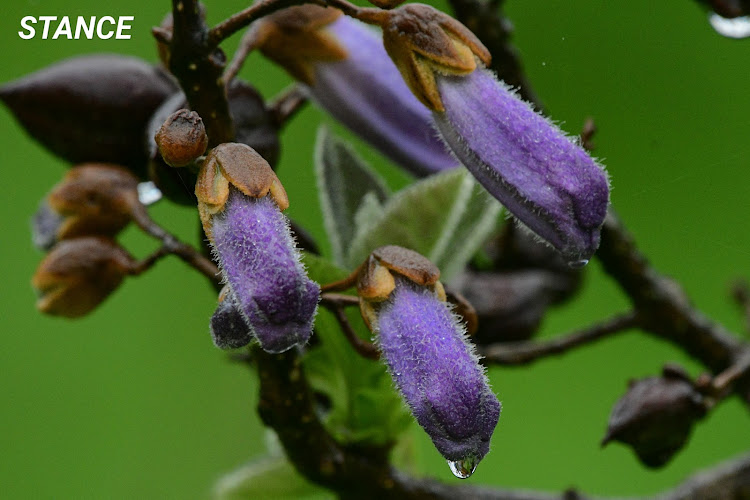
<point x="365" y="407"/>
<point x="445" y="217"/>
<point x="269" y="478"/>
<point x="344" y="180"/>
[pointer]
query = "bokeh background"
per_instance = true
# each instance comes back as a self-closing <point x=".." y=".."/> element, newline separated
<point x="135" y="402"/>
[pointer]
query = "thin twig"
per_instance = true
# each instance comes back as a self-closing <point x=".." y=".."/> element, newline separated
<point x="246" y="46"/>
<point x="144" y="265"/>
<point x="364" y="348"/>
<point x="337" y="304"/>
<point x="342" y="284"/>
<point x="286" y="105"/>
<point x="587" y="134"/>
<point x="723" y="382"/>
<point x="522" y="353"/>
<point x="236" y="22"/>
<point x="338" y="300"/>
<point x="243" y="18"/>
<point x="172" y="245"/>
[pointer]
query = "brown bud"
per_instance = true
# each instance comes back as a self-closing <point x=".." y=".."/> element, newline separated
<point x="243" y="168"/>
<point x="295" y="38"/>
<point x="421" y="40"/>
<point x="90" y="108"/>
<point x="92" y="199"/>
<point x="182" y="138"/>
<point x="78" y="274"/>
<point x="252" y="126"/>
<point x="655" y="417"/>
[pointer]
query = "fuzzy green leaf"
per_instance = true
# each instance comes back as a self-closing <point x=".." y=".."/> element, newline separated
<point x="344" y="180"/>
<point x="445" y="217"/>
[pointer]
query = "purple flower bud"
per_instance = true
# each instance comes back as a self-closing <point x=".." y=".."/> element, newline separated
<point x="542" y="177"/>
<point x="358" y="84"/>
<point x="437" y="372"/>
<point x="261" y="263"/>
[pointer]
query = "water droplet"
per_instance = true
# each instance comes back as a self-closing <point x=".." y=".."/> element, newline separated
<point x="463" y="469"/>
<point x="738" y="27"/>
<point x="148" y="193"/>
<point x="578" y="264"/>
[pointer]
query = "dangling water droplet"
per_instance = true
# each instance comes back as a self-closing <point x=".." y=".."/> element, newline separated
<point x="148" y="193"/>
<point x="738" y="27"/>
<point x="463" y="469"/>
<point x="578" y="264"/>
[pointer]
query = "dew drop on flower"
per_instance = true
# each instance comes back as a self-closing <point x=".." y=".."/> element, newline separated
<point x="739" y="27"/>
<point x="578" y="264"/>
<point x="463" y="469"/>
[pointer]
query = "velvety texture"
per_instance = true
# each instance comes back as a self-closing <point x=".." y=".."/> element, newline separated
<point x="366" y="93"/>
<point x="261" y="263"/>
<point x="437" y="372"/>
<point x="542" y="177"/>
<point x="228" y="328"/>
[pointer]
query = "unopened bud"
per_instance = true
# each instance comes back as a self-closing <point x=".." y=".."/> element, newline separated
<point x="92" y="199"/>
<point x="182" y="138"/>
<point x="428" y="355"/>
<point x="240" y="200"/>
<point x="656" y="416"/>
<point x="78" y="274"/>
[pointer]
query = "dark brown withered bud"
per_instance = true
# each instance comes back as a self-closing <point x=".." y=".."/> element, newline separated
<point x="182" y="138"/>
<point x="510" y="305"/>
<point x="92" y="199"/>
<point x="655" y="417"/>
<point x="253" y="126"/>
<point x="78" y="274"/>
<point x="90" y="108"/>
<point x="228" y="328"/>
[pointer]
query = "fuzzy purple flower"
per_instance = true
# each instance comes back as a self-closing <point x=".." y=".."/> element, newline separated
<point x="542" y="177"/>
<point x="240" y="201"/>
<point x="428" y="355"/>
<point x="545" y="179"/>
<point x="348" y="73"/>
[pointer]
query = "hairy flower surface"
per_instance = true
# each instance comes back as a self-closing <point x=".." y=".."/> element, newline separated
<point x="428" y="355"/>
<point x="240" y="201"/>
<point x="545" y="179"/>
<point x="437" y="372"/>
<point x="351" y="77"/>
<point x="261" y="264"/>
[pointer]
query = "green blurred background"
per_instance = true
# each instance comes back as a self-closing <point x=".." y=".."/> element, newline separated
<point x="135" y="402"/>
